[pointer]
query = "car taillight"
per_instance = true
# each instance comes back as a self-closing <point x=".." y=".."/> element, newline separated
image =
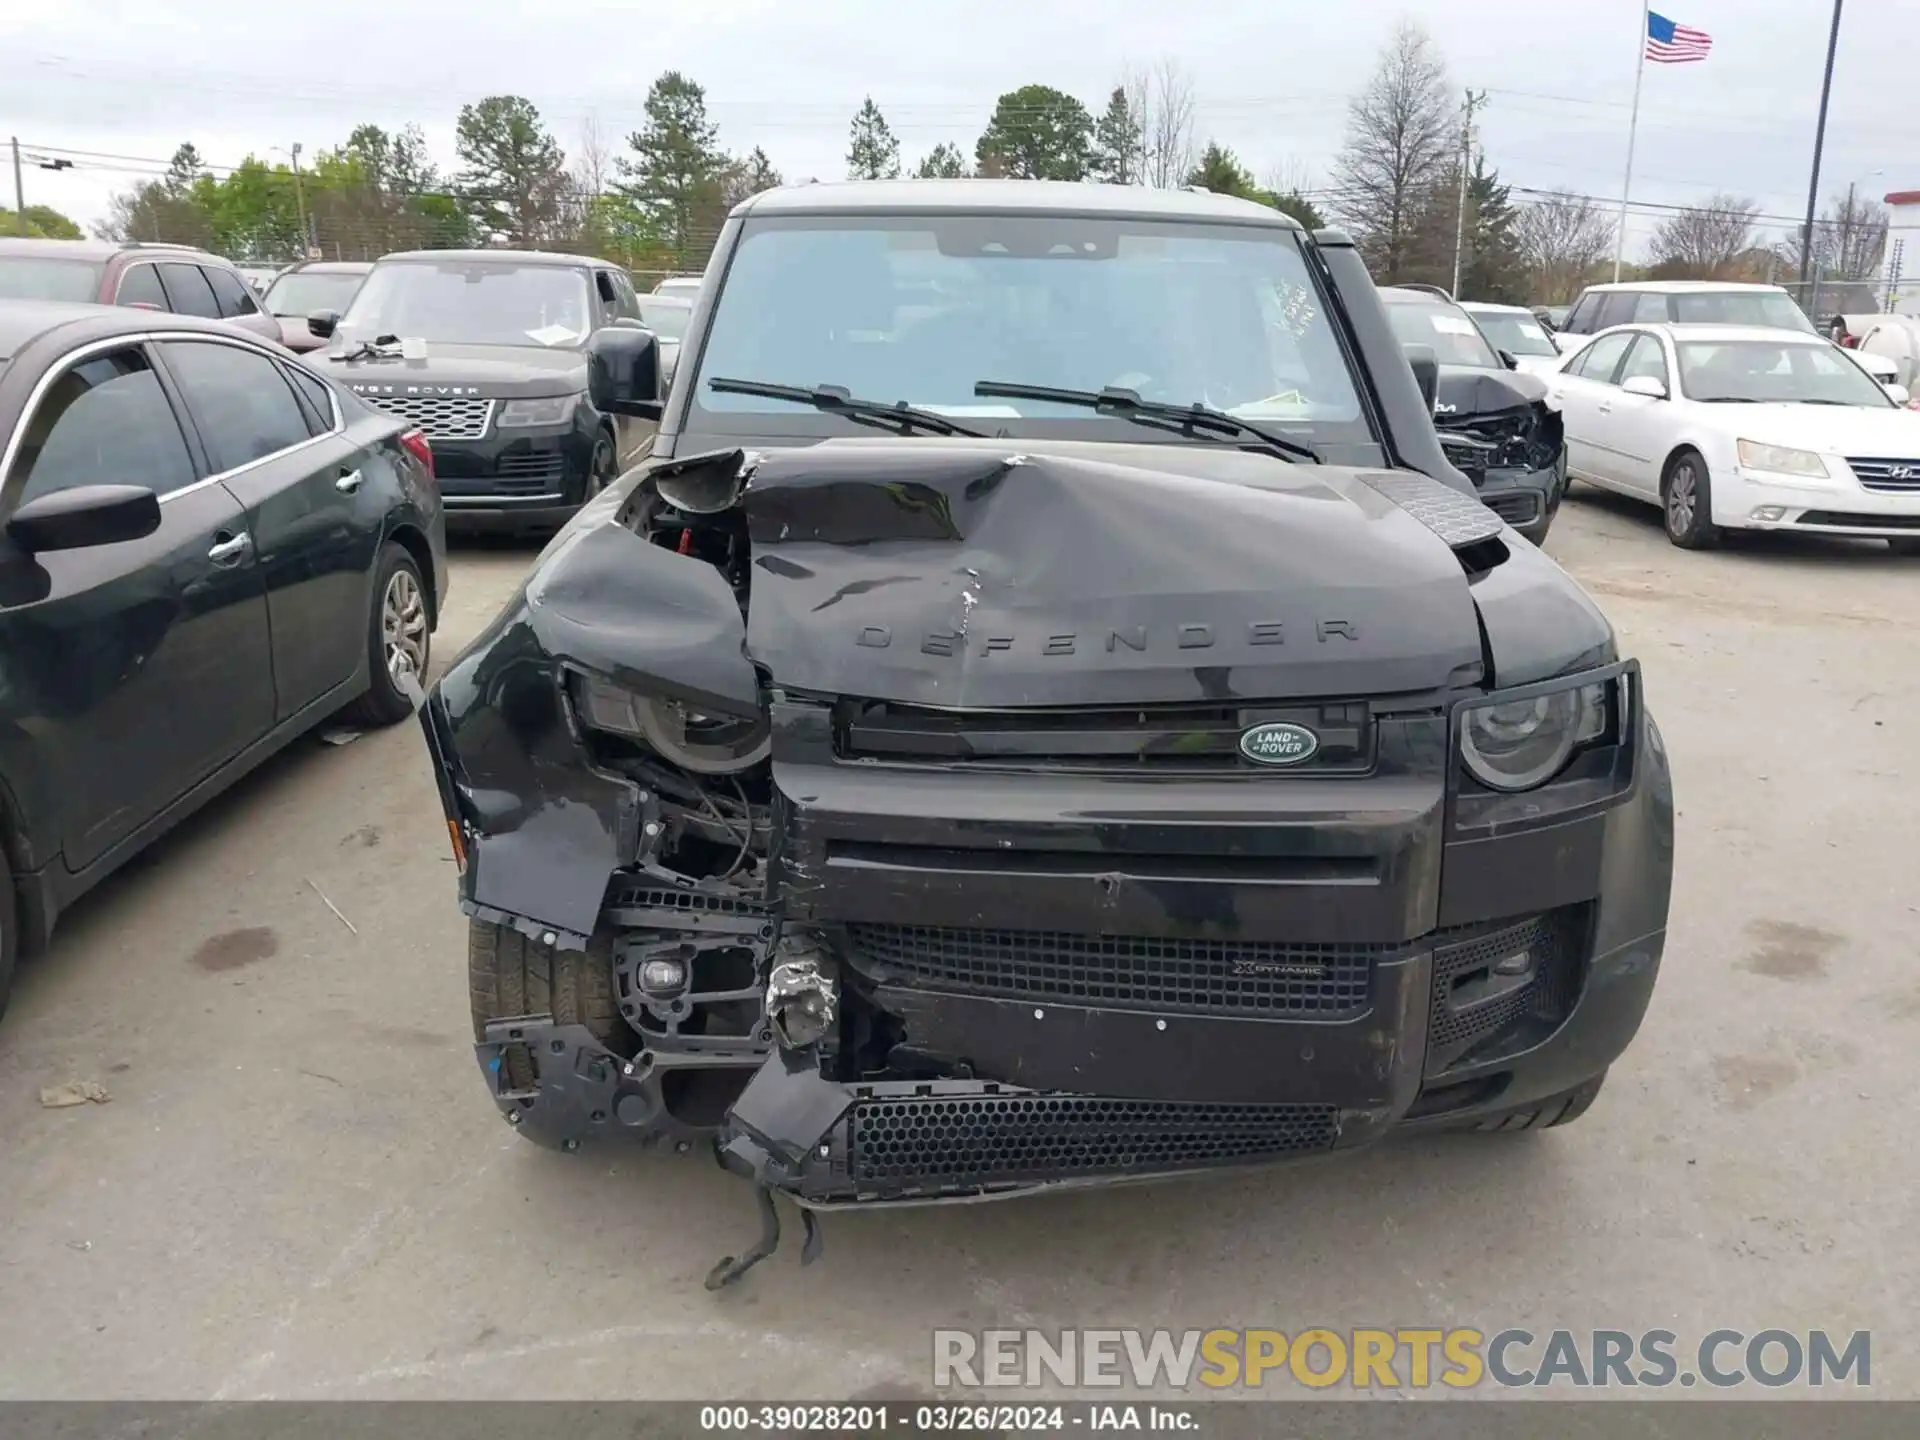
<point x="415" y="443"/>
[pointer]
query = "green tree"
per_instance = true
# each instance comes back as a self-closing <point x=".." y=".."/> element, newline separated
<point x="676" y="173"/>
<point x="42" y="222"/>
<point x="515" y="175"/>
<point x="748" y="176"/>
<point x="872" y="151"/>
<point x="1292" y="202"/>
<point x="1220" y="171"/>
<point x="943" y="162"/>
<point x="1116" y="156"/>
<point x="1037" y="133"/>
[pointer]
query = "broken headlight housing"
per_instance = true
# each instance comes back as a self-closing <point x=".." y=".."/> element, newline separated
<point x="1521" y="743"/>
<point x="696" y="741"/>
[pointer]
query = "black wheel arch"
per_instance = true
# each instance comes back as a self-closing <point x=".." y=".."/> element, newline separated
<point x="412" y="539"/>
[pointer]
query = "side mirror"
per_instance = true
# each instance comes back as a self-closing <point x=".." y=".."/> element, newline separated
<point x="1644" y="385"/>
<point x="1425" y="363"/>
<point x="623" y="372"/>
<point x="1898" y="394"/>
<point x="85" y="516"/>
<point x="1506" y="359"/>
<point x="323" y="323"/>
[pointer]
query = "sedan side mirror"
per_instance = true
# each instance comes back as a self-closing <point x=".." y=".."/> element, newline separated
<point x="1644" y="385"/>
<point x="323" y="323"/>
<point x="1425" y="363"/>
<point x="1898" y="394"/>
<point x="85" y="516"/>
<point x="1506" y="359"/>
<point x="623" y="372"/>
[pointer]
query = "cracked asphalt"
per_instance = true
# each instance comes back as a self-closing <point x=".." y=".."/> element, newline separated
<point x="299" y="1188"/>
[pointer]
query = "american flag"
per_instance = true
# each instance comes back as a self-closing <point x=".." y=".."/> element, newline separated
<point x="1671" y="44"/>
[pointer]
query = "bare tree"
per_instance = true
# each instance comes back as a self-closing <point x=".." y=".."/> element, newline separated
<point x="1162" y="104"/>
<point x="1289" y="176"/>
<point x="592" y="158"/>
<point x="1562" y="239"/>
<point x="1400" y="138"/>
<point x="1849" y="240"/>
<point x="1705" y="242"/>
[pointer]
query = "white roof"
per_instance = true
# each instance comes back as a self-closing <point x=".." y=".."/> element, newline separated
<point x="1768" y="334"/>
<point x="1685" y="287"/>
<point x="1490" y="307"/>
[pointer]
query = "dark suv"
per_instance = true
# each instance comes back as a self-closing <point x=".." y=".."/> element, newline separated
<point x="174" y="278"/>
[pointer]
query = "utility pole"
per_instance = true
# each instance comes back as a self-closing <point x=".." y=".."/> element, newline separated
<point x="1633" y="134"/>
<point x="1812" y="296"/>
<point x="300" y="202"/>
<point x="1466" y="160"/>
<point x="19" y="190"/>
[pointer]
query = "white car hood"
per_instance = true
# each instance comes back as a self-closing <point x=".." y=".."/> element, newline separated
<point x="1830" y="429"/>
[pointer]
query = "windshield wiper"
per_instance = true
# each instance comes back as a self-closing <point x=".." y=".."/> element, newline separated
<point x="1181" y="419"/>
<point x="906" y="418"/>
<point x="379" y="348"/>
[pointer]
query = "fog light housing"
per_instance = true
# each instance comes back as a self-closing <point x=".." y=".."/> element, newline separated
<point x="1770" y="513"/>
<point x="663" y="977"/>
<point x="1518" y="963"/>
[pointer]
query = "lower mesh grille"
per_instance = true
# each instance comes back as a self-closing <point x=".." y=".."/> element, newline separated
<point x="930" y="1143"/>
<point x="1160" y="973"/>
<point x="1459" y="1022"/>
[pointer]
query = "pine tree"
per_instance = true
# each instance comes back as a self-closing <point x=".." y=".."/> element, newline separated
<point x="1116" y="142"/>
<point x="872" y="152"/>
<point x="943" y="162"/>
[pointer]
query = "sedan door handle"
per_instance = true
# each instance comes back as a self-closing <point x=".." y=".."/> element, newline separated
<point x="229" y="551"/>
<point x="349" y="482"/>
<point x="1606" y="407"/>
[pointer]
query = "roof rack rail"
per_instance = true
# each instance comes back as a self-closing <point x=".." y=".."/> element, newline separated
<point x="1430" y="290"/>
<point x="155" y="245"/>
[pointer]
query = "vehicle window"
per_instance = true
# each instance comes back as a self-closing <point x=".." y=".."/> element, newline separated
<point x="315" y="398"/>
<point x="1580" y="318"/>
<point x="241" y="402"/>
<point x="921" y="308"/>
<point x="1447" y="329"/>
<point x="299" y="293"/>
<point x="44" y="277"/>
<point x="1616" y="308"/>
<point x="1648" y="309"/>
<point x="491" y="302"/>
<point x="104" y="422"/>
<point x="629" y="301"/>
<point x="1601" y="358"/>
<point x="230" y="292"/>
<point x="666" y="318"/>
<point x="188" y="291"/>
<point x="140" y="285"/>
<point x="1766" y="371"/>
<point x="1514" y="333"/>
<point x="1647" y="359"/>
<point x="1772" y="308"/>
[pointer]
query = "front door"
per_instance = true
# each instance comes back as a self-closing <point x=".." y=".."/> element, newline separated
<point x="1586" y="394"/>
<point x="313" y="517"/>
<point x="137" y="668"/>
<point x="1643" y="426"/>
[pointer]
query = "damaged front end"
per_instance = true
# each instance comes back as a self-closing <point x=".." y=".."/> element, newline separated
<point x="887" y="816"/>
<point x="1504" y="432"/>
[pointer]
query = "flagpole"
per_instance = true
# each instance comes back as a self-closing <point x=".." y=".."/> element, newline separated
<point x="1633" y="130"/>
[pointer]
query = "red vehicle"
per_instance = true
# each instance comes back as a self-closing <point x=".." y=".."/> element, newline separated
<point x="174" y="278"/>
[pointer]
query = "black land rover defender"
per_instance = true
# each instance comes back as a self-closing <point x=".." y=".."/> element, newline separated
<point x="1047" y="712"/>
<point x="487" y="352"/>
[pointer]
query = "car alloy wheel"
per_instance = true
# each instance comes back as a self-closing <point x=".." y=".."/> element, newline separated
<point x="1683" y="494"/>
<point x="403" y="626"/>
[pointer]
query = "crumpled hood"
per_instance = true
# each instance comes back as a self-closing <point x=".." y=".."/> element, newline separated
<point x="489" y="371"/>
<point x="1465" y="390"/>
<point x="1002" y="573"/>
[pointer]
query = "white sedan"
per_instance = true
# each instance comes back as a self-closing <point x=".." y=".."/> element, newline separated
<point x="1731" y="427"/>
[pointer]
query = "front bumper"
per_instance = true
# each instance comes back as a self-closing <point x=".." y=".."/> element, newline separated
<point x="1749" y="500"/>
<point x="1526" y="499"/>
<point x="1129" y="980"/>
<point x="529" y="478"/>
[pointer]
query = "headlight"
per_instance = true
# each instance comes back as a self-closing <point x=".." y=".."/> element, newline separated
<point x="547" y="410"/>
<point x="1520" y="744"/>
<point x="1779" y="460"/>
<point x="701" y="743"/>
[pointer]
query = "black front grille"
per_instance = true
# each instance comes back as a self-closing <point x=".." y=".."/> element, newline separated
<point x="1842" y="519"/>
<point x="1472" y="1003"/>
<point x="929" y="1143"/>
<point x="1893" y="476"/>
<point x="540" y="465"/>
<point x="1142" y="972"/>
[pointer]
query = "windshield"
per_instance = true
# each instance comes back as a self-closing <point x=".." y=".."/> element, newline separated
<point x="920" y="308"/>
<point x="1763" y="371"/>
<point x="471" y="303"/>
<point x="305" y="291"/>
<point x="1515" y="333"/>
<point x="46" y="277"/>
<point x="1454" y="338"/>
<point x="1772" y="308"/>
<point x="668" y="321"/>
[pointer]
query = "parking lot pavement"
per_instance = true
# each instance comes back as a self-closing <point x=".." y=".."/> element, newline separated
<point x="299" y="1187"/>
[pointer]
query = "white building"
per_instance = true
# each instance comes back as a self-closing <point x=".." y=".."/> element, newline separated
<point x="1900" y="275"/>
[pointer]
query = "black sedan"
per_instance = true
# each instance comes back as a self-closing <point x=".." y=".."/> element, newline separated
<point x="205" y="551"/>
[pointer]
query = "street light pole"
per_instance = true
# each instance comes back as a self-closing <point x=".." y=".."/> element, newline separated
<point x="300" y="203"/>
<point x="1813" y="184"/>
<point x="19" y="189"/>
<point x="1460" y="215"/>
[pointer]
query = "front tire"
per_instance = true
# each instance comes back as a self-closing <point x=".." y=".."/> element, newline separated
<point x="399" y="639"/>
<point x="1686" y="502"/>
<point x="510" y="976"/>
<point x="603" y="469"/>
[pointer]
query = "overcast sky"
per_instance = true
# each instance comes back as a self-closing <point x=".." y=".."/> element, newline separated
<point x="133" y="80"/>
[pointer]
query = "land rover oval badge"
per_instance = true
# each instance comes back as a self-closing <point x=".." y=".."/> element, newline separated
<point x="1278" y="743"/>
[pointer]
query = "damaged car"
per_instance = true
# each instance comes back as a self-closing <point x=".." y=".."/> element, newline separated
<point x="1046" y="713"/>
<point x="1498" y="422"/>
